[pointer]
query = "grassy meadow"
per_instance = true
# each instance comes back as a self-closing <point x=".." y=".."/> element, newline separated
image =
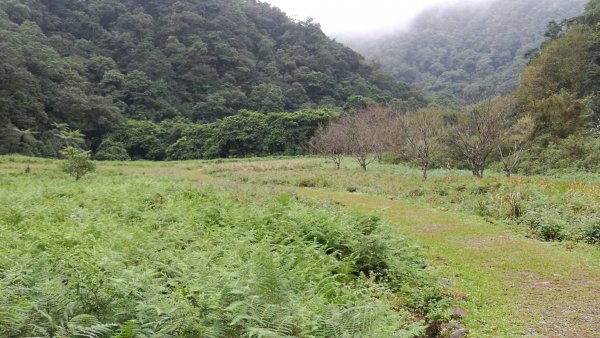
<point x="565" y="207"/>
<point x="124" y="254"/>
<point x="290" y="247"/>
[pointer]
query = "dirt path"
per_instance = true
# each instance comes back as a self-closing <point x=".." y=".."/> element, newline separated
<point x="512" y="286"/>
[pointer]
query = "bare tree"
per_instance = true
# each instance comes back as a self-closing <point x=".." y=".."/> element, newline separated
<point x="513" y="145"/>
<point x="478" y="133"/>
<point x="379" y="119"/>
<point x="330" y="142"/>
<point x="361" y="135"/>
<point x="417" y="136"/>
<point x="354" y="134"/>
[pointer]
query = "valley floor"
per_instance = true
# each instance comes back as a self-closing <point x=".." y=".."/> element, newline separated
<point x="507" y="284"/>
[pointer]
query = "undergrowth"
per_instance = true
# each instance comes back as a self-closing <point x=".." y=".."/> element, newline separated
<point x="124" y="256"/>
<point x="551" y="208"/>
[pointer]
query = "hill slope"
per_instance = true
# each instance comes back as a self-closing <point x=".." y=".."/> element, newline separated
<point x="469" y="50"/>
<point x="90" y="64"/>
<point x="559" y="92"/>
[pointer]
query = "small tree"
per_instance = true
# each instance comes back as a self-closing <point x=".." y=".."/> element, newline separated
<point x="77" y="162"/>
<point x="476" y="135"/>
<point x="512" y="147"/>
<point x="361" y="135"/>
<point x="417" y="136"/>
<point x="329" y="142"/>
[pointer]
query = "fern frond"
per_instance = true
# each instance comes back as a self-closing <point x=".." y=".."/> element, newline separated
<point x="96" y="331"/>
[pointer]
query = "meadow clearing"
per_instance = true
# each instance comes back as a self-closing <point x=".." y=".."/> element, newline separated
<point x="291" y="247"/>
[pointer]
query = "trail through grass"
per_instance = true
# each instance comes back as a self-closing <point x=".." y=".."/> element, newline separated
<point x="509" y="285"/>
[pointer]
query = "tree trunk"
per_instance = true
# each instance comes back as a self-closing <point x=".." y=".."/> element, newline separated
<point x="477" y="170"/>
<point x="424" y="170"/>
<point x="363" y="164"/>
<point x="507" y="171"/>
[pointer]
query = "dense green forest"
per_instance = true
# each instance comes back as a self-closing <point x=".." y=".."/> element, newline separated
<point x="238" y="78"/>
<point x="470" y="50"/>
<point x="559" y="93"/>
<point x="91" y="65"/>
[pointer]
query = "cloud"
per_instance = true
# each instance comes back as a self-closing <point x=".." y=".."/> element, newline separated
<point x="357" y="16"/>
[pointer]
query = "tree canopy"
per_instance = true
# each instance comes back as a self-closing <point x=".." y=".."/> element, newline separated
<point x="94" y="64"/>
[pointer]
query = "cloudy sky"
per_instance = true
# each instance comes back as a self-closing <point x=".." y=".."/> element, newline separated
<point x="357" y="16"/>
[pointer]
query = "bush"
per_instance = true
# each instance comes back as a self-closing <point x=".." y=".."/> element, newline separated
<point x="591" y="232"/>
<point x="549" y="226"/>
<point x="552" y="230"/>
<point x="312" y="182"/>
<point x="110" y="150"/>
<point x="77" y="162"/>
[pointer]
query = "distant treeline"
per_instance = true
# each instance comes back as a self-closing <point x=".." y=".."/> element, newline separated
<point x="242" y="135"/>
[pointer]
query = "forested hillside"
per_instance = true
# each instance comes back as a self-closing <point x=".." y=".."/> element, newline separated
<point x="559" y="92"/>
<point x="470" y="50"/>
<point x="90" y="65"/>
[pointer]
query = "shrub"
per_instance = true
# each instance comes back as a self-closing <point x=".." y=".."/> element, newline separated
<point x="545" y="225"/>
<point x="77" y="162"/>
<point x="110" y="150"/>
<point x="551" y="230"/>
<point x="418" y="192"/>
<point x="591" y="232"/>
<point x="312" y="182"/>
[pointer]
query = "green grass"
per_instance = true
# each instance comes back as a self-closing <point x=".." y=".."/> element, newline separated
<point x="548" y="208"/>
<point x="137" y="249"/>
<point x="476" y="257"/>
<point x="509" y="284"/>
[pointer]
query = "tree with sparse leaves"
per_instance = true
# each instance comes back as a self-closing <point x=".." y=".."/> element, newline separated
<point x="416" y="136"/>
<point x="477" y="134"/>
<point x="329" y="142"/>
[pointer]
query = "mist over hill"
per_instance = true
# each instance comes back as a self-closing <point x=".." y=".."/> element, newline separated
<point x="469" y="50"/>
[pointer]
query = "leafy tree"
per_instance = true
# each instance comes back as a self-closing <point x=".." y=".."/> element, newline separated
<point x="110" y="150"/>
<point x="77" y="162"/>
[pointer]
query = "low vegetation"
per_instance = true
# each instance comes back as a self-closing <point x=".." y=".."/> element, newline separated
<point x="131" y="256"/>
<point x="549" y="208"/>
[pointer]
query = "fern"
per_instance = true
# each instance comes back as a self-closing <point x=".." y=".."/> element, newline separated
<point x="96" y="331"/>
<point x="350" y="322"/>
<point x="129" y="330"/>
<point x="198" y="264"/>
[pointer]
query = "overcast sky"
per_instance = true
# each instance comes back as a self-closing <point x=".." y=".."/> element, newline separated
<point x="357" y="16"/>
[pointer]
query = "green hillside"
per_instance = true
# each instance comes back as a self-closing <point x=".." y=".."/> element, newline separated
<point x="469" y="50"/>
<point x="93" y="64"/>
